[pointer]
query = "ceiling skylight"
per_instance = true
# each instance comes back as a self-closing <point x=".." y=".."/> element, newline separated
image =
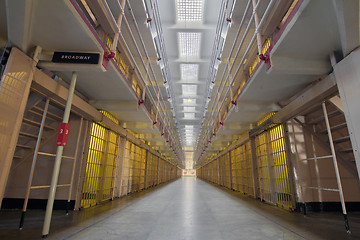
<point x="189" y="101"/>
<point x="189" y="44"/>
<point x="189" y="71"/>
<point x="189" y="115"/>
<point x="189" y="10"/>
<point x="189" y="109"/>
<point x="189" y="89"/>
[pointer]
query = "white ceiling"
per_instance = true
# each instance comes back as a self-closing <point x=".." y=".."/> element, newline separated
<point x="189" y="107"/>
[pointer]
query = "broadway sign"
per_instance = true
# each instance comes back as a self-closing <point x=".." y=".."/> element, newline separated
<point x="73" y="57"/>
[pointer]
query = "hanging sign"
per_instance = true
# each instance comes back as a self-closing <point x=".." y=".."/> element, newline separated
<point x="73" y="57"/>
<point x="63" y="134"/>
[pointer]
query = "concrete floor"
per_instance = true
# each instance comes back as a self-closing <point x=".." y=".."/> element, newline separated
<point x="184" y="209"/>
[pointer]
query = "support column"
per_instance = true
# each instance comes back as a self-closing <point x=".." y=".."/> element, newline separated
<point x="59" y="153"/>
<point x="12" y="106"/>
<point x="84" y="157"/>
<point x="271" y="166"/>
<point x="74" y="165"/>
<point x="289" y="165"/>
<point x="146" y="167"/>
<point x="347" y="73"/>
<point x="254" y="167"/>
<point x="230" y="166"/>
<point x="119" y="167"/>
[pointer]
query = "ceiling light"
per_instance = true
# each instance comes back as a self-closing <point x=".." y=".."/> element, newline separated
<point x="189" y="71"/>
<point x="189" y="109"/>
<point x="188" y="101"/>
<point x="189" y="10"/>
<point x="188" y="89"/>
<point x="189" y="115"/>
<point x="189" y="44"/>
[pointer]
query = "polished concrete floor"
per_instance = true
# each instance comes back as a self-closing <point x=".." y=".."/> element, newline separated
<point x="185" y="209"/>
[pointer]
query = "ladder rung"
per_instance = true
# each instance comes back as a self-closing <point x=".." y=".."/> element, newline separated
<point x="40" y="114"/>
<point x="315" y="158"/>
<point x="346" y="150"/>
<point x="17" y="157"/>
<point x="54" y="155"/>
<point x="321" y="118"/>
<point x="34" y="123"/>
<point x="28" y="135"/>
<point x="335" y="128"/>
<point x="47" y="186"/>
<point x="325" y="189"/>
<point x="24" y="146"/>
<point x="342" y="139"/>
<point x="50" y="114"/>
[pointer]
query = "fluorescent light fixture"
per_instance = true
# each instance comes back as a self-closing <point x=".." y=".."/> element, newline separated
<point x="189" y="10"/>
<point x="189" y="101"/>
<point x="189" y="71"/>
<point x="189" y="44"/>
<point x="189" y="115"/>
<point x="189" y="127"/>
<point x="189" y="109"/>
<point x="189" y="89"/>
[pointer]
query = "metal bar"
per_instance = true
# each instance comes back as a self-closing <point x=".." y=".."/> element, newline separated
<point x="74" y="165"/>
<point x="47" y="186"/>
<point x="116" y="38"/>
<point x="316" y="158"/>
<point x="32" y="170"/>
<point x="257" y="29"/>
<point x="325" y="189"/>
<point x="337" y="173"/>
<point x="59" y="152"/>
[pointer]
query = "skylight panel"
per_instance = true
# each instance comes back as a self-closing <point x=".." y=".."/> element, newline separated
<point x="189" y="44"/>
<point x="189" y="109"/>
<point x="189" y="101"/>
<point x="189" y="71"/>
<point x="189" y="115"/>
<point x="189" y="10"/>
<point x="189" y="89"/>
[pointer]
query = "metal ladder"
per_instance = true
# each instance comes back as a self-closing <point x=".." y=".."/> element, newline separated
<point x="336" y="146"/>
<point x="39" y="121"/>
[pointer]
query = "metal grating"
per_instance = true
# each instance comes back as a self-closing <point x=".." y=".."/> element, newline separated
<point x="264" y="167"/>
<point x="100" y="166"/>
<point x="241" y="165"/>
<point x="189" y="10"/>
<point x="278" y="154"/>
<point x="272" y="167"/>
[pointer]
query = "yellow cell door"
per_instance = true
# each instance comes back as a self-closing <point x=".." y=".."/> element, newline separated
<point x="100" y="166"/>
<point x="272" y="169"/>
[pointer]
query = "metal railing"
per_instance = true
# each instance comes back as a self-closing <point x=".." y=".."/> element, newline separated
<point x="145" y="84"/>
<point x="231" y="82"/>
